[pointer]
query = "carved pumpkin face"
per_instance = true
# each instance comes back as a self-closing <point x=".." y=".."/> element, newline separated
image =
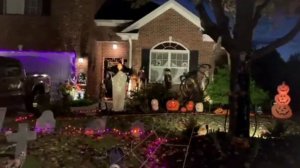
<point x="282" y="99"/>
<point x="190" y="106"/>
<point x="281" y="112"/>
<point x="173" y="105"/>
<point x="283" y="89"/>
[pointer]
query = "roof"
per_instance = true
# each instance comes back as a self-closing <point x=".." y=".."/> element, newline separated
<point x="122" y="10"/>
<point x="171" y="4"/>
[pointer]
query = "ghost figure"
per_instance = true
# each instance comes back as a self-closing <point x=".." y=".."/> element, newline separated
<point x="119" y="82"/>
<point x="46" y="122"/>
<point x="155" y="104"/>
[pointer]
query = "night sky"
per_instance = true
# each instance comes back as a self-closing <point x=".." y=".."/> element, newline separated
<point x="268" y="29"/>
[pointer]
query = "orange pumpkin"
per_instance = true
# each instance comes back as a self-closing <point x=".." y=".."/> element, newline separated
<point x="173" y="105"/>
<point x="183" y="109"/>
<point x="190" y="106"/>
<point x="281" y="111"/>
<point x="220" y="111"/>
<point x="283" y="88"/>
<point x="282" y="99"/>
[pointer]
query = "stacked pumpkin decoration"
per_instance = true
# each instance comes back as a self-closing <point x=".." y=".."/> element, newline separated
<point x="173" y="105"/>
<point x="281" y="109"/>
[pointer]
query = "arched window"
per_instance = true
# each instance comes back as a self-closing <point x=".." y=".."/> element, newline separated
<point x="170" y="55"/>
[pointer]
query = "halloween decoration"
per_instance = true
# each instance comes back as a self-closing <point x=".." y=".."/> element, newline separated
<point x="168" y="78"/>
<point x="190" y="105"/>
<point x="137" y="129"/>
<point x="154" y="105"/>
<point x="183" y="110"/>
<point x="173" y="105"/>
<point x="281" y="108"/>
<point x="199" y="107"/>
<point x="220" y="111"/>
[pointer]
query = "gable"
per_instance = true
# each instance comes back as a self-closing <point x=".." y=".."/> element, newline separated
<point x="171" y="4"/>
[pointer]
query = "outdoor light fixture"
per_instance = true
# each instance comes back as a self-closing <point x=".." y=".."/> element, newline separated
<point x="115" y="46"/>
<point x="80" y="60"/>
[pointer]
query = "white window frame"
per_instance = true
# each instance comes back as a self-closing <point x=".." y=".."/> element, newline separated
<point x="169" y="52"/>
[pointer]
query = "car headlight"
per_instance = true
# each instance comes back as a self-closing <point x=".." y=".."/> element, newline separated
<point x="15" y="85"/>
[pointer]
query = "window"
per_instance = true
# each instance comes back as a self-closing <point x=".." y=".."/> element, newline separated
<point x="25" y="7"/>
<point x="168" y="55"/>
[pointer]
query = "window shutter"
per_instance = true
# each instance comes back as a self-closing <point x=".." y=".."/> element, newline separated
<point x="145" y="61"/>
<point x="46" y="7"/>
<point x="193" y="60"/>
<point x="1" y="7"/>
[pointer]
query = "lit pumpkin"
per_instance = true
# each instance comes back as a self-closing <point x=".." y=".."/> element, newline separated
<point x="199" y="107"/>
<point x="220" y="111"/>
<point x="282" y="99"/>
<point x="190" y="106"/>
<point x="281" y="111"/>
<point x="89" y="132"/>
<point x="183" y="109"/>
<point x="283" y="88"/>
<point x="173" y="105"/>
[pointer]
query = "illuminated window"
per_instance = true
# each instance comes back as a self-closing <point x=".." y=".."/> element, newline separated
<point x="170" y="55"/>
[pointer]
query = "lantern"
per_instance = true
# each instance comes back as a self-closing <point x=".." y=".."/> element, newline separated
<point x="173" y="105"/>
<point x="281" y="109"/>
<point x="282" y="99"/>
<point x="283" y="88"/>
<point x="199" y="107"/>
<point x="190" y="105"/>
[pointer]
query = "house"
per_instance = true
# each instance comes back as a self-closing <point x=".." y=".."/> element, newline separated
<point x="169" y="36"/>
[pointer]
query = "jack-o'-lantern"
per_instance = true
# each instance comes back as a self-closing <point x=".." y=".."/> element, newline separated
<point x="183" y="109"/>
<point x="220" y="111"/>
<point x="282" y="99"/>
<point x="89" y="132"/>
<point x="281" y="111"/>
<point x="190" y="106"/>
<point x="283" y="88"/>
<point x="172" y="105"/>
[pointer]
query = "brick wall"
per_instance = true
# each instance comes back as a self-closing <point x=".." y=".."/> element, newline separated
<point x="172" y="24"/>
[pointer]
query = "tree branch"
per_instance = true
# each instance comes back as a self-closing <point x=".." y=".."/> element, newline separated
<point x="209" y="26"/>
<point x="258" y="11"/>
<point x="277" y="43"/>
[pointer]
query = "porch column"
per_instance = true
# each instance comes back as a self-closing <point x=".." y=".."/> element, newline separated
<point x="130" y="52"/>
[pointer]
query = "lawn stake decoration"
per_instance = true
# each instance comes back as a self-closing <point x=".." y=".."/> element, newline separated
<point x="21" y="138"/>
<point x="137" y="129"/>
<point x="46" y="122"/>
<point x="173" y="105"/>
<point x="281" y="108"/>
<point x="2" y="116"/>
<point x="154" y="105"/>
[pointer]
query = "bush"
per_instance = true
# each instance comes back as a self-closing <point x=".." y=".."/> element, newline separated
<point x="82" y="102"/>
<point x="141" y="100"/>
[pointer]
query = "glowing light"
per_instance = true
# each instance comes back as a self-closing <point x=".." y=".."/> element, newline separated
<point x="80" y="60"/>
<point x="115" y="46"/>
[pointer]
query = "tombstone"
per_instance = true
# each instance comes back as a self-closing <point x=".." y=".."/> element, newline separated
<point x="46" y="122"/>
<point x="119" y="82"/>
<point x="116" y="156"/>
<point x="98" y="124"/>
<point x="21" y="137"/>
<point x="2" y="116"/>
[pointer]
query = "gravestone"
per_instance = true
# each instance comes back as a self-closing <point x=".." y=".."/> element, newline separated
<point x="21" y="137"/>
<point x="2" y="116"/>
<point x="46" y="122"/>
<point x="98" y="124"/>
<point x="119" y="82"/>
<point x="116" y="156"/>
